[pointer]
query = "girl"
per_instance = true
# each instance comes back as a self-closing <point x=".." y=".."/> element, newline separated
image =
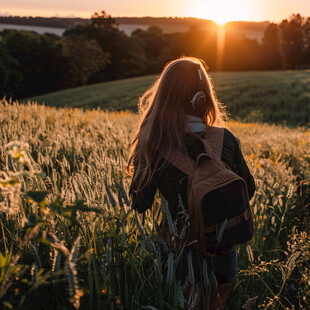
<point x="176" y="111"/>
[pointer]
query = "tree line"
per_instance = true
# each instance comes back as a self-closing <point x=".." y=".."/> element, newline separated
<point x="33" y="64"/>
<point x="55" y="22"/>
<point x="66" y="22"/>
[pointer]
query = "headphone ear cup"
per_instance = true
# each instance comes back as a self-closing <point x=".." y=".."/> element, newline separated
<point x="199" y="100"/>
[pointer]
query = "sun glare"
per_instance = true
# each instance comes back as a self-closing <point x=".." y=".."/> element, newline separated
<point x="220" y="45"/>
<point x="221" y="11"/>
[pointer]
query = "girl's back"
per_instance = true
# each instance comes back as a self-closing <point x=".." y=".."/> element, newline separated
<point x="170" y="180"/>
<point x="175" y="112"/>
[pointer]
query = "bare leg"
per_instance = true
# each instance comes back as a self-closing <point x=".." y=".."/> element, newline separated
<point x="187" y="298"/>
<point x="219" y="296"/>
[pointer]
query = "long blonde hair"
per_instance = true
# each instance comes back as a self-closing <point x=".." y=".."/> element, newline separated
<point x="163" y="108"/>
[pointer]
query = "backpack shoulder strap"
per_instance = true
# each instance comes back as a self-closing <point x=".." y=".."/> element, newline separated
<point x="214" y="138"/>
<point x="181" y="161"/>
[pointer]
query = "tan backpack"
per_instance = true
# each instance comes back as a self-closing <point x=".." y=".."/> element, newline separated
<point x="205" y="175"/>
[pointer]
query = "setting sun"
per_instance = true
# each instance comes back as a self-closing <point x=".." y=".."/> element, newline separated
<point x="222" y="11"/>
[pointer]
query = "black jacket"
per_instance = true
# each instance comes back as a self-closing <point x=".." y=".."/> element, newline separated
<point x="170" y="180"/>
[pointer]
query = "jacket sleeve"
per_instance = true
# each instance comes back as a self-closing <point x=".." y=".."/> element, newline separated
<point x="142" y="200"/>
<point x="243" y="170"/>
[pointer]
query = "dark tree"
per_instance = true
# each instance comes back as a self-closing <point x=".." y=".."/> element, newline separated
<point x="292" y="32"/>
<point x="241" y="53"/>
<point x="85" y="56"/>
<point x="103" y="20"/>
<point x="306" y="31"/>
<point x="272" y="49"/>
<point x="154" y="44"/>
<point x="126" y="54"/>
<point x="40" y="61"/>
<point x="10" y="77"/>
<point x="201" y="42"/>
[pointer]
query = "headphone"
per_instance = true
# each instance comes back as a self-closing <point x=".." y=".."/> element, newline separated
<point x="199" y="99"/>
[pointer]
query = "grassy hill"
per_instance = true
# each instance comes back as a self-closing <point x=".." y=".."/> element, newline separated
<point x="115" y="95"/>
<point x="273" y="96"/>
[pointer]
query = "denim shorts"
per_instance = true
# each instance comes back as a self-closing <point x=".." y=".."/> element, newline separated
<point x="223" y="265"/>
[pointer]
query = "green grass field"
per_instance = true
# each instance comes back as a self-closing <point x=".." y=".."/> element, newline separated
<point x="69" y="239"/>
<point x="115" y="95"/>
<point x="267" y="96"/>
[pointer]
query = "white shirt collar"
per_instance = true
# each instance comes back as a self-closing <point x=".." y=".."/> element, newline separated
<point x="194" y="124"/>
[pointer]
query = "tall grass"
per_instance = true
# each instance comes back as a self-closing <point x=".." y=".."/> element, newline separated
<point x="70" y="239"/>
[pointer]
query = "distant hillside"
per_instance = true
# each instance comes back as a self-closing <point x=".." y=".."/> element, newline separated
<point x="56" y="22"/>
<point x="252" y="30"/>
<point x="155" y="21"/>
<point x="252" y="26"/>
<point x="168" y="24"/>
<point x="61" y="22"/>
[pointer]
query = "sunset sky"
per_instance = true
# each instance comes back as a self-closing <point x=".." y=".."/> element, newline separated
<point x="220" y="11"/>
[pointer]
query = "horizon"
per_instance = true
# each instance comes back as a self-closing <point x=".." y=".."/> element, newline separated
<point x="237" y="10"/>
<point x="145" y="16"/>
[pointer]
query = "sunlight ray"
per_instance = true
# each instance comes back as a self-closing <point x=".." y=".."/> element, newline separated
<point x="220" y="45"/>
